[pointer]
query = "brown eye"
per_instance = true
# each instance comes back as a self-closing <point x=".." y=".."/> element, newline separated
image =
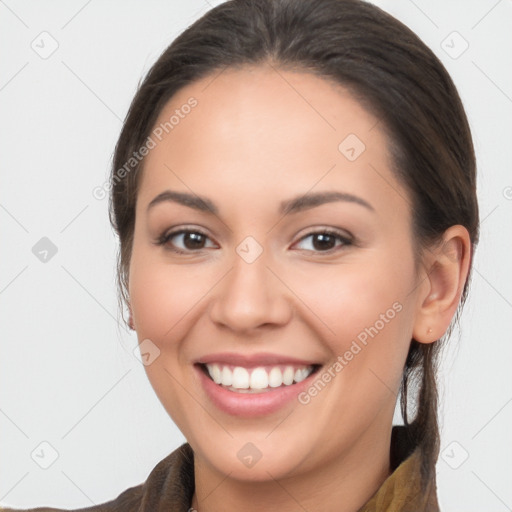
<point x="193" y="240"/>
<point x="324" y="241"/>
<point x="185" y="240"/>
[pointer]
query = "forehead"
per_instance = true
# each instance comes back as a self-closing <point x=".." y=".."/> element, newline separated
<point x="263" y="130"/>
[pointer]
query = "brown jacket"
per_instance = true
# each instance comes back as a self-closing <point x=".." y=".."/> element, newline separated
<point x="170" y="486"/>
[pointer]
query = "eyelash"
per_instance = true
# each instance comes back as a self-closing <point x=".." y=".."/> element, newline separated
<point x="166" y="237"/>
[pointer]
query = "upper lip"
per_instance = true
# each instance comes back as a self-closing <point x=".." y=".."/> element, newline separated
<point x="252" y="360"/>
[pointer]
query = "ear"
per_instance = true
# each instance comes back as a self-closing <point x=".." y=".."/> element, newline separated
<point x="446" y="268"/>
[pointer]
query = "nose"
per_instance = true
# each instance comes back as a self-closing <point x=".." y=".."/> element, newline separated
<point x="250" y="297"/>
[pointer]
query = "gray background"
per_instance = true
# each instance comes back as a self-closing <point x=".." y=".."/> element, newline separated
<point x="73" y="397"/>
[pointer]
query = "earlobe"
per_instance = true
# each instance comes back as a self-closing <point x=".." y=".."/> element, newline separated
<point x="447" y="268"/>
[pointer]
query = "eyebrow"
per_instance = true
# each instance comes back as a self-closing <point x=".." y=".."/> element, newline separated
<point x="196" y="202"/>
<point x="294" y="205"/>
<point x="312" y="200"/>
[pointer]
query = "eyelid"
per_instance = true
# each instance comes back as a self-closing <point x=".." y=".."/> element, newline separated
<point x="164" y="238"/>
<point x="329" y="230"/>
<point x="346" y="238"/>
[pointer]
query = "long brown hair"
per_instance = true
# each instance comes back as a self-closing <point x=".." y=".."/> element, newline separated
<point x="389" y="70"/>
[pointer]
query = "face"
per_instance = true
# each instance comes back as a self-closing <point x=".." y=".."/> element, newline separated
<point x="273" y="273"/>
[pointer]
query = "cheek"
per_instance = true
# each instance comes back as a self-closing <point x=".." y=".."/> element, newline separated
<point x="154" y="304"/>
<point x="353" y="297"/>
<point x="368" y="317"/>
<point x="162" y="295"/>
<point x="164" y="299"/>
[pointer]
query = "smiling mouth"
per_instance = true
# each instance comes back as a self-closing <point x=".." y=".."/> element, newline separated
<point x="258" y="379"/>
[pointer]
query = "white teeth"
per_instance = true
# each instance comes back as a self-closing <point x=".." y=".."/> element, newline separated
<point x="288" y="375"/>
<point x="216" y="374"/>
<point x="226" y="376"/>
<point x="258" y="378"/>
<point x="300" y="375"/>
<point x="275" y="378"/>
<point x="240" y="378"/>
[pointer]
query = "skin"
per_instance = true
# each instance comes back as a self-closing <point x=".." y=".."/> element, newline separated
<point x="259" y="136"/>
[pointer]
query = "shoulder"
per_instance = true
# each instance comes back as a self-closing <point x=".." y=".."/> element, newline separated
<point x="170" y="483"/>
<point x="128" y="501"/>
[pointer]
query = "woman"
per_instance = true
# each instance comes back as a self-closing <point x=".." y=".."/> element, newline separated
<point x="294" y="194"/>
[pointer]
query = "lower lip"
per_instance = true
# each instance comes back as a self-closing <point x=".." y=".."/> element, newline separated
<point x="251" y="404"/>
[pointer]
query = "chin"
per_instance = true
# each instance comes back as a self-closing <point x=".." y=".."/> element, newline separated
<point x="252" y="461"/>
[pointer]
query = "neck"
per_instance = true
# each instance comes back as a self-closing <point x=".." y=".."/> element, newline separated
<point x="344" y="484"/>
